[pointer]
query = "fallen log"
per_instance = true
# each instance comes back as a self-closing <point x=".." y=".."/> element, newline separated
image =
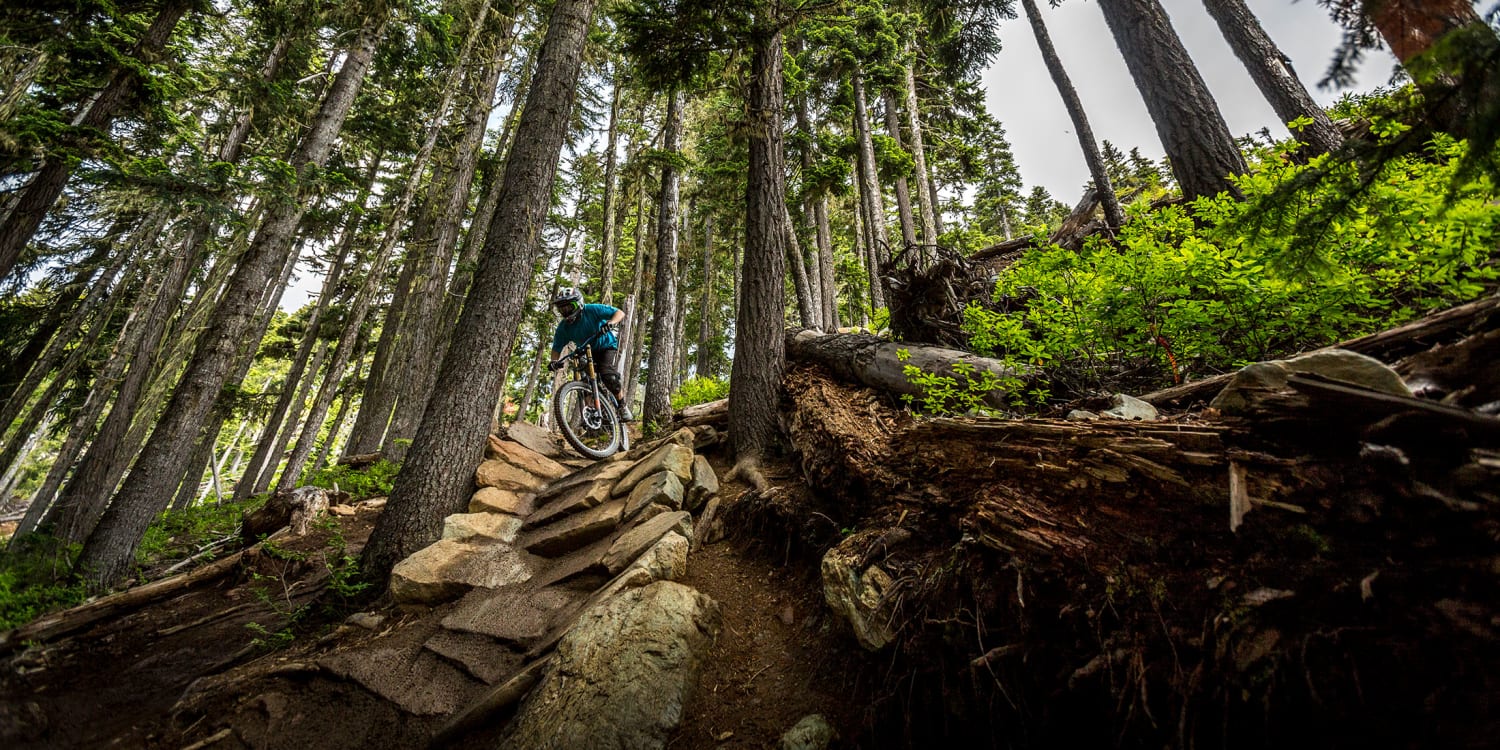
<point x="1387" y="346"/>
<point x="881" y="364"/>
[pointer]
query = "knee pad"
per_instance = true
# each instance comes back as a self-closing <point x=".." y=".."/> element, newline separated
<point x="611" y="380"/>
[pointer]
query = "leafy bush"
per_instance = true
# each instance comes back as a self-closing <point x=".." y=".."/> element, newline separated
<point x="371" y="481"/>
<point x="963" y="393"/>
<point x="696" y="391"/>
<point x="1187" y="292"/>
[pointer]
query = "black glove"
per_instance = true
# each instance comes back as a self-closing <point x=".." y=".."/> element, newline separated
<point x="555" y="365"/>
<point x="606" y="327"/>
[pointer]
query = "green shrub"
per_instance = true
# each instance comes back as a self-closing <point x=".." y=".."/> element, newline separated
<point x="696" y="391"/>
<point x="1185" y="292"/>
<point x="179" y="533"/>
<point x="372" y="481"/>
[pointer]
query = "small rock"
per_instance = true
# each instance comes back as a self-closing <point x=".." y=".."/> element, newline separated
<point x="663" y="487"/>
<point x="1082" y="415"/>
<point x="811" y="732"/>
<point x="636" y="541"/>
<point x="787" y="615"/>
<point x="506" y="476"/>
<point x="1130" y="408"/>
<point x="670" y="457"/>
<point x="489" y="527"/>
<point x="366" y="620"/>
<point x="496" y="500"/>
<point x="704" y="484"/>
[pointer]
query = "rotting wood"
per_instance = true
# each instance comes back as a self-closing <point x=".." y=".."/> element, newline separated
<point x="881" y="364"/>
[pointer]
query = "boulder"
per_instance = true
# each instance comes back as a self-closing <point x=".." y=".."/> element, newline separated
<point x="580" y="498"/>
<point x="662" y="487"/>
<point x="485" y="527"/>
<point x="622" y="674"/>
<point x="858" y="594"/>
<point x="525" y="458"/>
<point x="496" y="500"/>
<point x="1130" y="408"/>
<point x="670" y="457"/>
<point x="633" y="543"/>
<point x="448" y="568"/>
<point x="575" y="531"/>
<point x="1335" y="364"/>
<point x="535" y="438"/>
<point x="666" y="560"/>
<point x="811" y="732"/>
<point x="506" y="476"/>
<point x="703" y="485"/>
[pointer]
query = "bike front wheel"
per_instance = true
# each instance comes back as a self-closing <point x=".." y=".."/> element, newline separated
<point x="588" y="422"/>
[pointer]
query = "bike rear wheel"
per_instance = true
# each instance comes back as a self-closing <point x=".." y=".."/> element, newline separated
<point x="589" y="424"/>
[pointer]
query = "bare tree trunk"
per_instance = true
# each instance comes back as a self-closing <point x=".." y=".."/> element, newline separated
<point x="704" y="364"/>
<point x="658" y="404"/>
<point x="877" y="242"/>
<point x="437" y="476"/>
<point x="903" y="193"/>
<point x="1273" y="74"/>
<point x="926" y="196"/>
<point x="826" y="264"/>
<point x="109" y="550"/>
<point x="608" y="242"/>
<point x="1102" y="185"/>
<point x="1192" y="130"/>
<point x="755" y="382"/>
<point x="807" y="311"/>
<point x="24" y="215"/>
<point x="634" y="333"/>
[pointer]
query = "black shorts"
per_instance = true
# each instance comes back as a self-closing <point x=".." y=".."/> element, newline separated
<point x="607" y="364"/>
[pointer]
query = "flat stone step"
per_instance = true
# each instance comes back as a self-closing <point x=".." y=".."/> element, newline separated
<point x="574" y="531"/>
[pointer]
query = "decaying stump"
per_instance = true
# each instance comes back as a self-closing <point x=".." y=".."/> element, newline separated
<point x="296" y="509"/>
<point x="1081" y="584"/>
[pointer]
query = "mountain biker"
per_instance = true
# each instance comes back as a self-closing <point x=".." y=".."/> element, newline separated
<point x="579" y="322"/>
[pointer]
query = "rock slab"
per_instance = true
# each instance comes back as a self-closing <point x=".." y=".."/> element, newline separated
<point x="633" y="543"/>
<point x="672" y="457"/>
<point x="704" y="484"/>
<point x="496" y="500"/>
<point x="623" y="673"/>
<point x="448" y="568"/>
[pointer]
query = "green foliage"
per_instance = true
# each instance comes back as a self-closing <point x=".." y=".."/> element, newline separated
<point x="34" y="581"/>
<point x="964" y="392"/>
<point x="696" y="391"/>
<point x="179" y="533"/>
<point x="371" y="481"/>
<point x="1223" y="285"/>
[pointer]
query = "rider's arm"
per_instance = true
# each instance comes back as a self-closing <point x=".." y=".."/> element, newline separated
<point x="615" y="319"/>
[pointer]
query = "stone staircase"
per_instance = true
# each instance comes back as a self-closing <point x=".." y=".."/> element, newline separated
<point x="555" y="595"/>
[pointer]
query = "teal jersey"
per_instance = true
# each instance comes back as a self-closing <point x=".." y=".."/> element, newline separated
<point x="588" y="321"/>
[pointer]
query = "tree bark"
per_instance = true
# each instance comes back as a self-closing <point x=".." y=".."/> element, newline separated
<point x="108" y="553"/>
<point x="903" y="192"/>
<point x="658" y="403"/>
<point x="25" y="214"/>
<point x="1199" y="146"/>
<point x="1113" y="214"/>
<point x="755" y="377"/>
<point x="634" y="336"/>
<point x="926" y="197"/>
<point x="437" y="477"/>
<point x="608" y="242"/>
<point x="807" y="310"/>
<point x="826" y="265"/>
<point x="703" y="367"/>
<point x="877" y="241"/>
<point x="881" y="364"/>
<point x="1273" y="75"/>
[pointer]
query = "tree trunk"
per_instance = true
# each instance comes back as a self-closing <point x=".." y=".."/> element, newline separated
<point x="1199" y="146"/>
<point x="1113" y="214"/>
<point x="881" y="364"/>
<point x="25" y="214"/>
<point x="926" y="196"/>
<point x="826" y="265"/>
<point x="704" y="364"/>
<point x="346" y="393"/>
<point x="634" y="335"/>
<point x="807" y="311"/>
<point x="608" y="242"/>
<point x="755" y="379"/>
<point x="437" y="476"/>
<point x="903" y="193"/>
<point x="14" y="368"/>
<point x="658" y="403"/>
<point x="877" y="242"/>
<point x="110" y="549"/>
<point x="1273" y="74"/>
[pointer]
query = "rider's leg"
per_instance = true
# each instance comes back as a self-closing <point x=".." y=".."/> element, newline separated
<point x="607" y="363"/>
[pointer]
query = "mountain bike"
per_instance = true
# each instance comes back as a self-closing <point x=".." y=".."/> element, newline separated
<point x="586" y="411"/>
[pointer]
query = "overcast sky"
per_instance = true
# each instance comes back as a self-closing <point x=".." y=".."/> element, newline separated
<point x="1020" y="94"/>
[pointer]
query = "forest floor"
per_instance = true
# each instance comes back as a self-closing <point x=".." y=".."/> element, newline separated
<point x="780" y="654"/>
